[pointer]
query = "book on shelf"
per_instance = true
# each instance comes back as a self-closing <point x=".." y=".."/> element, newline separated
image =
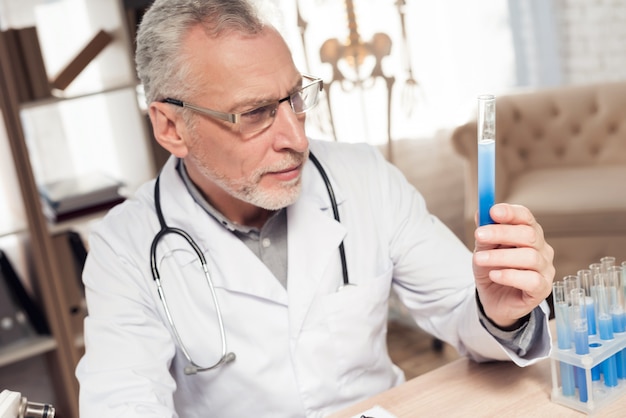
<point x="20" y="316"/>
<point x="80" y="195"/>
<point x="27" y="63"/>
<point x="34" y="64"/>
<point x="10" y="43"/>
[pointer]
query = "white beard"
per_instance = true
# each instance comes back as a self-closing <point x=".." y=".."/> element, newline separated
<point x="249" y="189"/>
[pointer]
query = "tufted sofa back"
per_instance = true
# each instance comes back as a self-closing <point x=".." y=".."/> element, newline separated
<point x="566" y="126"/>
<point x="573" y="126"/>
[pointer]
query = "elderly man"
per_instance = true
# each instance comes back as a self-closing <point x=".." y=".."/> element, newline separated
<point x="252" y="277"/>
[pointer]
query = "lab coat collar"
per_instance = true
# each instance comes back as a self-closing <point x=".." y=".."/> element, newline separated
<point x="314" y="238"/>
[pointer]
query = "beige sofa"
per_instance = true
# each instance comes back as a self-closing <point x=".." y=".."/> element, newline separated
<point x="562" y="153"/>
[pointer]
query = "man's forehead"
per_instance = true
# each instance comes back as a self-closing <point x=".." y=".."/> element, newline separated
<point x="250" y="69"/>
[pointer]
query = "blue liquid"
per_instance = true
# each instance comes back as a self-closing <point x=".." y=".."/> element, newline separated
<point x="591" y="315"/>
<point x="609" y="370"/>
<point x="581" y="340"/>
<point x="618" y="322"/>
<point x="567" y="379"/>
<point x="486" y="180"/>
<point x="620" y="360"/>
<point x="582" y="384"/>
<point x="595" y="372"/>
<point x="606" y="328"/>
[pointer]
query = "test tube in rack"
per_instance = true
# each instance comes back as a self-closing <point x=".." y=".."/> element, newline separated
<point x="564" y="336"/>
<point x="486" y="157"/>
<point x="605" y="327"/>
<point x="578" y="323"/>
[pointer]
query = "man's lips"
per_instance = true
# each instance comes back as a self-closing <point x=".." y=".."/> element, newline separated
<point x="287" y="174"/>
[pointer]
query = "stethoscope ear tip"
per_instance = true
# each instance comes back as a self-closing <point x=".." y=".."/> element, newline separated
<point x="229" y="357"/>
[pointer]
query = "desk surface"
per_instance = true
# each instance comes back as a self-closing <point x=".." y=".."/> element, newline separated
<point x="465" y="388"/>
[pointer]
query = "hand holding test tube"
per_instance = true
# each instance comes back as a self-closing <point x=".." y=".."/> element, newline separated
<point x="486" y="157"/>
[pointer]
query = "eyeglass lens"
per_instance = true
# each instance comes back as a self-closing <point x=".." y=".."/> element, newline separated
<point x="262" y="117"/>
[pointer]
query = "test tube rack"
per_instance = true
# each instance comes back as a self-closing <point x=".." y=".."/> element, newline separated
<point x="599" y="395"/>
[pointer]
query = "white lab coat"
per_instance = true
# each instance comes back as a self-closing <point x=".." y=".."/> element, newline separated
<point x="305" y="351"/>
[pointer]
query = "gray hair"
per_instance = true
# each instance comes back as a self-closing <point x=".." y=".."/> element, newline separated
<point x="161" y="67"/>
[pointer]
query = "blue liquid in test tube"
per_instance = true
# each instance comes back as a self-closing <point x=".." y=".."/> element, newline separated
<point x="609" y="366"/>
<point x="605" y="323"/>
<point x="486" y="179"/>
<point x="581" y="337"/>
<point x="486" y="157"/>
<point x="609" y="371"/>
<point x="564" y="337"/>
<point x="591" y="316"/>
<point x="620" y="357"/>
<point x="564" y="341"/>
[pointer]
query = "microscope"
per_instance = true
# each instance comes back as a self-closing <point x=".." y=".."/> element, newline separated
<point x="14" y="405"/>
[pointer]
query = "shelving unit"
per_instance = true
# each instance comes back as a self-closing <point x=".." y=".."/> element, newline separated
<point x="26" y="348"/>
<point x="45" y="143"/>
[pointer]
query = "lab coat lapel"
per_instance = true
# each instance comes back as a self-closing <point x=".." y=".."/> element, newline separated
<point x="244" y="272"/>
<point x="314" y="238"/>
<point x="231" y="264"/>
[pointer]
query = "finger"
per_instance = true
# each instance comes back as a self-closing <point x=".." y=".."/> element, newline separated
<point x="509" y="236"/>
<point x="528" y="281"/>
<point x="504" y="213"/>
<point x="523" y="258"/>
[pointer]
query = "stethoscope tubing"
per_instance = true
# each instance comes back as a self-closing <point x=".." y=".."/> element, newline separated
<point x="226" y="357"/>
<point x="333" y="204"/>
<point x="192" y="368"/>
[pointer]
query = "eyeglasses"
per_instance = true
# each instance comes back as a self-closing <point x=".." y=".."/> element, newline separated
<point x="263" y="116"/>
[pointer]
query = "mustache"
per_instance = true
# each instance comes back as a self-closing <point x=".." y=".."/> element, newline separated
<point x="292" y="159"/>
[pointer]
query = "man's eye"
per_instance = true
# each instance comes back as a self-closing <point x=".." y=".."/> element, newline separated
<point x="259" y="114"/>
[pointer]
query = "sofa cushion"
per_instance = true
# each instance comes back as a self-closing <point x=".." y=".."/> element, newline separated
<point x="574" y="200"/>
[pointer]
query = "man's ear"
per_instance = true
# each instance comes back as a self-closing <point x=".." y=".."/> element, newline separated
<point x="169" y="128"/>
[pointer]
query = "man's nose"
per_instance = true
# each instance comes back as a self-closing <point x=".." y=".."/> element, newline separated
<point x="289" y="128"/>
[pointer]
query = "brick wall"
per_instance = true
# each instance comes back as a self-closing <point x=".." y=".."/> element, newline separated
<point x="592" y="40"/>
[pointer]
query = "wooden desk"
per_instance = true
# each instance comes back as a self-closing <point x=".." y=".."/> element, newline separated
<point x="464" y="388"/>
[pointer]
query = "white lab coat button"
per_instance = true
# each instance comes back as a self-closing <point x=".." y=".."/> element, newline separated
<point x="266" y="242"/>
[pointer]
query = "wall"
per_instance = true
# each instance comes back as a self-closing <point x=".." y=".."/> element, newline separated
<point x="560" y="42"/>
<point x="592" y="36"/>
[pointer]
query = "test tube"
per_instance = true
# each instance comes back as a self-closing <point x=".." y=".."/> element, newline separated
<point x="624" y="279"/>
<point x="616" y="298"/>
<point x="561" y="315"/>
<point x="578" y="322"/>
<point x="606" y="263"/>
<point x="486" y="157"/>
<point x="564" y="336"/>
<point x="570" y="282"/>
<point x="586" y="283"/>
<point x="605" y="322"/>
<point x="616" y="306"/>
<point x="621" y="358"/>
<point x="596" y="268"/>
<point x="605" y="326"/>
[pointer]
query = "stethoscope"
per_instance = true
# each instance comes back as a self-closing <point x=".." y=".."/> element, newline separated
<point x="226" y="357"/>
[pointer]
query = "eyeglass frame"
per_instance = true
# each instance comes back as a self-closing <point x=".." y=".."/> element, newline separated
<point x="235" y="118"/>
